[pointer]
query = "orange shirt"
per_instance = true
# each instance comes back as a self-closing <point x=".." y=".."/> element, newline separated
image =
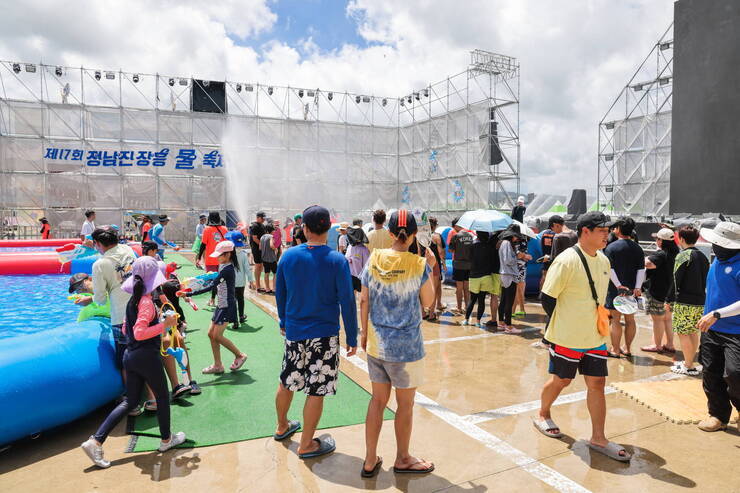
<point x="145" y="232"/>
<point x="45" y="231"/>
<point x="212" y="236"/>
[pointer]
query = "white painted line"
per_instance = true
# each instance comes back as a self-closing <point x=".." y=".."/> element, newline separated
<point x="524" y="407"/>
<point x="540" y="471"/>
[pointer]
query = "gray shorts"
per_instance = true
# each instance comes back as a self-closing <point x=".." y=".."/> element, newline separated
<point x="400" y="375"/>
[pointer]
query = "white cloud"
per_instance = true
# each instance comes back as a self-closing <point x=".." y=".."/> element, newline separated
<point x="574" y="55"/>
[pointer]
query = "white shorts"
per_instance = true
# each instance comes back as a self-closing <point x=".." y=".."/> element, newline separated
<point x="401" y="375"/>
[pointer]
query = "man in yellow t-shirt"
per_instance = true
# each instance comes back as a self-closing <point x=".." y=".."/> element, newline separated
<point x="379" y="237"/>
<point x="572" y="334"/>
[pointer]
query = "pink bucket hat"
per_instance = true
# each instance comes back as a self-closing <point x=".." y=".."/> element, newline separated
<point x="148" y="269"/>
<point x="223" y="247"/>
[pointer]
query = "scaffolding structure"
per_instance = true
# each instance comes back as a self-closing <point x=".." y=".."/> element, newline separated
<point x="429" y="150"/>
<point x="634" y="158"/>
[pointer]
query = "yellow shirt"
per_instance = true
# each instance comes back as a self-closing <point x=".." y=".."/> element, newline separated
<point x="379" y="238"/>
<point x="573" y="323"/>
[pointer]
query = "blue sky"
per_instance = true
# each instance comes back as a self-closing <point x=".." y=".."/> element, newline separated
<point x="325" y="21"/>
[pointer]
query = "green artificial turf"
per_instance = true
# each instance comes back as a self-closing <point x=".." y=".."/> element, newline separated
<point x="240" y="405"/>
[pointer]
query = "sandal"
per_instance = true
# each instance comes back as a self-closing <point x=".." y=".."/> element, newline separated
<point x="150" y="405"/>
<point x="409" y="470"/>
<point x="512" y="330"/>
<point x="213" y="369"/>
<point x="612" y="450"/>
<point x="652" y="349"/>
<point x="613" y="355"/>
<point x="261" y="290"/>
<point x="374" y="471"/>
<point x="238" y="362"/>
<point x="669" y="350"/>
<point x="545" y="425"/>
<point x="326" y="446"/>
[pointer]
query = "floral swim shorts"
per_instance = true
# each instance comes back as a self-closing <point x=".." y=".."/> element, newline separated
<point x="685" y="318"/>
<point x="311" y="365"/>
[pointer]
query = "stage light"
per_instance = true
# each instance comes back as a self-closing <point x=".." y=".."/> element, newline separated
<point x="637" y="87"/>
<point x="610" y="125"/>
<point x="206" y="83"/>
<point x="136" y="78"/>
<point x="16" y="68"/>
<point x="401" y="99"/>
<point x="426" y="93"/>
<point x="171" y="81"/>
<point x="58" y="71"/>
<point x="330" y="96"/>
<point x="110" y="75"/>
<point x="608" y="157"/>
<point x="385" y="102"/>
<point x="97" y="75"/>
<point x="249" y="88"/>
<point x="357" y="99"/>
<point x="664" y="81"/>
<point x="665" y="46"/>
<point x="269" y="91"/>
<point x="416" y="96"/>
<point x="238" y="88"/>
<point x="409" y="99"/>
<point x="310" y="94"/>
<point x="30" y="68"/>
<point x="183" y="82"/>
<point x="300" y="93"/>
<point x="365" y="99"/>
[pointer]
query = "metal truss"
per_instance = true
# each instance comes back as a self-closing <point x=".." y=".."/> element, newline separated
<point x="635" y="139"/>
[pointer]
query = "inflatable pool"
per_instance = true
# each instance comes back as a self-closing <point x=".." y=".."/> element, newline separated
<point x="28" y="260"/>
<point x="53" y="369"/>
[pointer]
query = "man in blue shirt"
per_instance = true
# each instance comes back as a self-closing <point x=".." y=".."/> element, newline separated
<point x="157" y="236"/>
<point x="313" y="281"/>
<point x="720" y="340"/>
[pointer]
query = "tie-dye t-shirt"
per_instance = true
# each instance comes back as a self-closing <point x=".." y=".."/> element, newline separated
<point x="393" y="280"/>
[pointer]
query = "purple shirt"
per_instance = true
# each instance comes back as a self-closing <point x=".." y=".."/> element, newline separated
<point x="357" y="257"/>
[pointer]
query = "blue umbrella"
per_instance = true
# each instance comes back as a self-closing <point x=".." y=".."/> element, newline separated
<point x="484" y="220"/>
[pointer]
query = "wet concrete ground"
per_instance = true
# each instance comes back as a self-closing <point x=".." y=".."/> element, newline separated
<point x="459" y="425"/>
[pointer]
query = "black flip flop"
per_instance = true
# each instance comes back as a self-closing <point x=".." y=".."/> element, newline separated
<point x="374" y="471"/>
<point x="613" y="355"/>
<point x="293" y="426"/>
<point x="408" y="470"/>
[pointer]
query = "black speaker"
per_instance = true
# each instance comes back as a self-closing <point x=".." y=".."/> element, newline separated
<point x="495" y="156"/>
<point x="578" y="203"/>
<point x="208" y="96"/>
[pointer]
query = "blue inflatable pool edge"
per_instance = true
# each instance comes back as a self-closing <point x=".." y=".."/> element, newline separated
<point x="53" y="377"/>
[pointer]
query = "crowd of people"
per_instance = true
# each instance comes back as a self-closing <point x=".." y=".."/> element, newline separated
<point x="593" y="278"/>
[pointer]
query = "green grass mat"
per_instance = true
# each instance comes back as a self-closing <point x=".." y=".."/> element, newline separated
<point x="240" y="406"/>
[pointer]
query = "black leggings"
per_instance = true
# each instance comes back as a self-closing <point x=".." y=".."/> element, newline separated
<point x="506" y="304"/>
<point x="142" y="365"/>
<point x="240" y="300"/>
<point x="481" y="299"/>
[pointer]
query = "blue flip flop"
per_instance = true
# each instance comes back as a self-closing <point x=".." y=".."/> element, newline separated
<point x="326" y="446"/>
<point x="293" y="426"/>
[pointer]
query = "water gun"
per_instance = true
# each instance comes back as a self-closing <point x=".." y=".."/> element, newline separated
<point x="182" y="361"/>
<point x="72" y="251"/>
<point x="77" y="296"/>
<point x="197" y="285"/>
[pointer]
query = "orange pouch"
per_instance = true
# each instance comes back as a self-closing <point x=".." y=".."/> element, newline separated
<point x="602" y="320"/>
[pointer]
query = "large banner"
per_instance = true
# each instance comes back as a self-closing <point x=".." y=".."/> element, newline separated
<point x="185" y="158"/>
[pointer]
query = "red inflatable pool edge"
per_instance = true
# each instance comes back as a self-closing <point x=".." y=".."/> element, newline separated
<point x="55" y="242"/>
<point x="12" y="264"/>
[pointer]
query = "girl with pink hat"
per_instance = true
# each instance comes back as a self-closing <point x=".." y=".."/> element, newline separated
<point x="141" y="362"/>
<point x="225" y="308"/>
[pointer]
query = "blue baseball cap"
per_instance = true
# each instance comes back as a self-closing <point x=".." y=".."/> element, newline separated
<point x="317" y="219"/>
<point x="236" y="238"/>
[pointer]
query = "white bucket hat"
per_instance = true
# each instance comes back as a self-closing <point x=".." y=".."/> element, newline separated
<point x="724" y="234"/>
